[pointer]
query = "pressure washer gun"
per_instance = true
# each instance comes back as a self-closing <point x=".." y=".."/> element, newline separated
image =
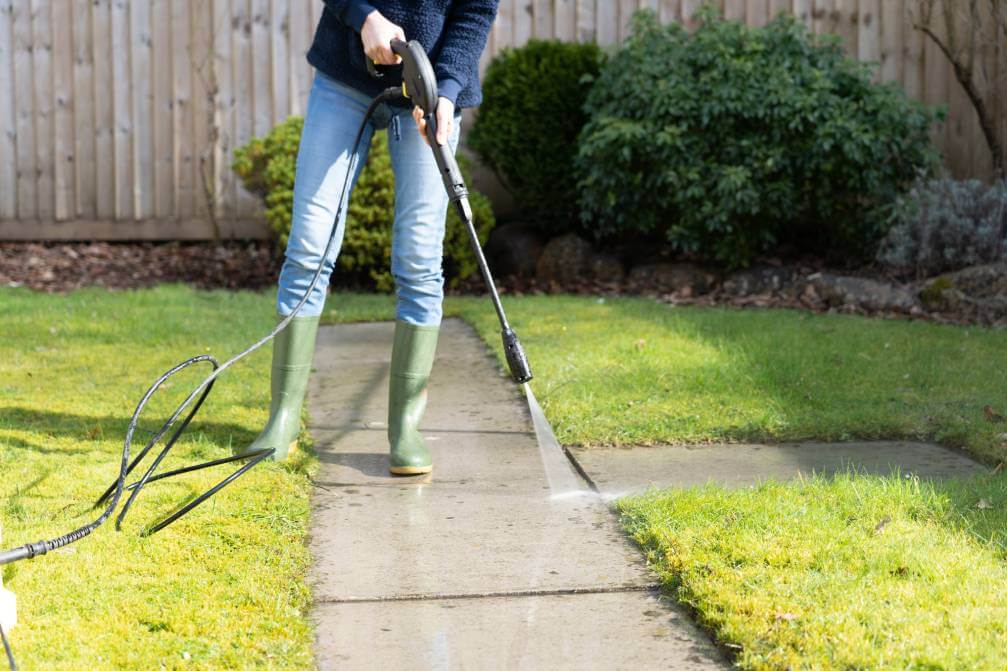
<point x="419" y="86"/>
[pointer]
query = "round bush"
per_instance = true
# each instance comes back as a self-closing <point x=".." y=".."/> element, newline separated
<point x="528" y="124"/>
<point x="731" y="140"/>
<point x="944" y="225"/>
<point x="267" y="166"/>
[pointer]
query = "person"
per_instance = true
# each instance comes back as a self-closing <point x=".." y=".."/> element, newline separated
<point x="453" y="32"/>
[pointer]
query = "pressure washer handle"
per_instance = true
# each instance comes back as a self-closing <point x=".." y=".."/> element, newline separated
<point x="419" y="85"/>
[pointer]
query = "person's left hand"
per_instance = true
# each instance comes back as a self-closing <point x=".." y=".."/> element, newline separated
<point x="445" y="121"/>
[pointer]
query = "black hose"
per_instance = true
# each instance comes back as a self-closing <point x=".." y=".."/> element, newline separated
<point x="199" y="394"/>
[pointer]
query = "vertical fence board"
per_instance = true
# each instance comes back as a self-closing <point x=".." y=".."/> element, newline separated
<point x="44" y="117"/>
<point x="243" y="109"/>
<point x="607" y="20"/>
<point x="182" y="133"/>
<point x="935" y="91"/>
<point x="64" y="151"/>
<point x="804" y="11"/>
<point x="565" y="20"/>
<point x="845" y="22"/>
<point x="162" y="104"/>
<point x="24" y="93"/>
<point x="820" y="16"/>
<point x="626" y="9"/>
<point x="8" y="117"/>
<point x="84" y="130"/>
<point x="279" y="53"/>
<point x="912" y="59"/>
<point x="206" y="18"/>
<point x="299" y="72"/>
<point x="141" y="73"/>
<point x="503" y="29"/>
<point x="261" y="99"/>
<point x="777" y="7"/>
<point x="757" y="12"/>
<point x="585" y="20"/>
<point x="221" y="106"/>
<point x="869" y="30"/>
<point x="103" y="94"/>
<point x="892" y="21"/>
<point x="735" y="9"/>
<point x="542" y="19"/>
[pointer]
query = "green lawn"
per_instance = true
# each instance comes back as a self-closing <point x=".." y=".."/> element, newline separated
<point x="224" y="587"/>
<point x="852" y="573"/>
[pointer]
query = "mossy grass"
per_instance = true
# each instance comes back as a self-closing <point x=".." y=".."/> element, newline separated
<point x="853" y="572"/>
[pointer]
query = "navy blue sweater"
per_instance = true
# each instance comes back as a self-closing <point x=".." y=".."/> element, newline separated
<point x="452" y="31"/>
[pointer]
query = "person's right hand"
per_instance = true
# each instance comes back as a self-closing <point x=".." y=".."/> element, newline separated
<point x="377" y="34"/>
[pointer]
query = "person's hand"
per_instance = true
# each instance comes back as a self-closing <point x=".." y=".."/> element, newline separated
<point x="445" y="121"/>
<point x="377" y="34"/>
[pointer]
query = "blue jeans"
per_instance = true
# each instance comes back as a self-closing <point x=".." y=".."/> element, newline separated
<point x="330" y="126"/>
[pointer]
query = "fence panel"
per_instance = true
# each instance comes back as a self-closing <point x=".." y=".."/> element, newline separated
<point x="119" y="118"/>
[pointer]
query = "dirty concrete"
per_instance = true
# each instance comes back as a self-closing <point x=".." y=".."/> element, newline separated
<point x="619" y="471"/>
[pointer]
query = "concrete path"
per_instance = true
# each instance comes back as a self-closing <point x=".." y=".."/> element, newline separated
<point x="481" y="565"/>
<point x="619" y="471"/>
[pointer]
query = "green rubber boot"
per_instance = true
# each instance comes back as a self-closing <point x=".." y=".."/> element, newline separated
<point x="293" y="349"/>
<point x="412" y="359"/>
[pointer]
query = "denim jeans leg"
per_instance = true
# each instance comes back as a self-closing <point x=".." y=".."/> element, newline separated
<point x="418" y="231"/>
<point x="323" y="158"/>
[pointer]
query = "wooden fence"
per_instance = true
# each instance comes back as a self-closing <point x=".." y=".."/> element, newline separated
<point x="118" y="117"/>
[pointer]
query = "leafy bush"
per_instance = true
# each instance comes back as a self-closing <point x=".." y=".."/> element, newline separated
<point x="528" y="124"/>
<point x="267" y="165"/>
<point x="945" y="225"/>
<point x="731" y="140"/>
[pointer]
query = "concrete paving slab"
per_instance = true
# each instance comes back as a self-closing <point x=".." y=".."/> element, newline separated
<point x="484" y="460"/>
<point x="618" y="471"/>
<point x="581" y="631"/>
<point x="430" y="539"/>
<point x="485" y="524"/>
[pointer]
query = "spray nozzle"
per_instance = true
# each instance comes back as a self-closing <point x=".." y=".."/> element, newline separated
<point x="516" y="359"/>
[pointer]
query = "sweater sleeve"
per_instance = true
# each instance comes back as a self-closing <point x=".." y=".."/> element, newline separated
<point x="465" y="33"/>
<point x="351" y="12"/>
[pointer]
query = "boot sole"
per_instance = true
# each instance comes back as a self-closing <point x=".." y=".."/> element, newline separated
<point x="410" y="470"/>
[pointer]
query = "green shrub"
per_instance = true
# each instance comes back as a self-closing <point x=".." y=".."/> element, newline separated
<point x="527" y="127"/>
<point x="731" y="140"/>
<point x="267" y="165"/>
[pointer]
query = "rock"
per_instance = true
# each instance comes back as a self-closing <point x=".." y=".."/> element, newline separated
<point x="606" y="268"/>
<point x="757" y="280"/>
<point x="837" y="290"/>
<point x="514" y="249"/>
<point x="569" y="259"/>
<point x="977" y="292"/>
<point x="673" y="277"/>
<point x="981" y="282"/>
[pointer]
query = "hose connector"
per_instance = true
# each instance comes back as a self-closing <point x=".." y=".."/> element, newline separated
<point x="516" y="359"/>
<point x="29" y="551"/>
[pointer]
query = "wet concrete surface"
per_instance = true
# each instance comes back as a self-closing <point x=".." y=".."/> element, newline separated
<point x="481" y="564"/>
<point x="620" y="630"/>
<point x="619" y="471"/>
